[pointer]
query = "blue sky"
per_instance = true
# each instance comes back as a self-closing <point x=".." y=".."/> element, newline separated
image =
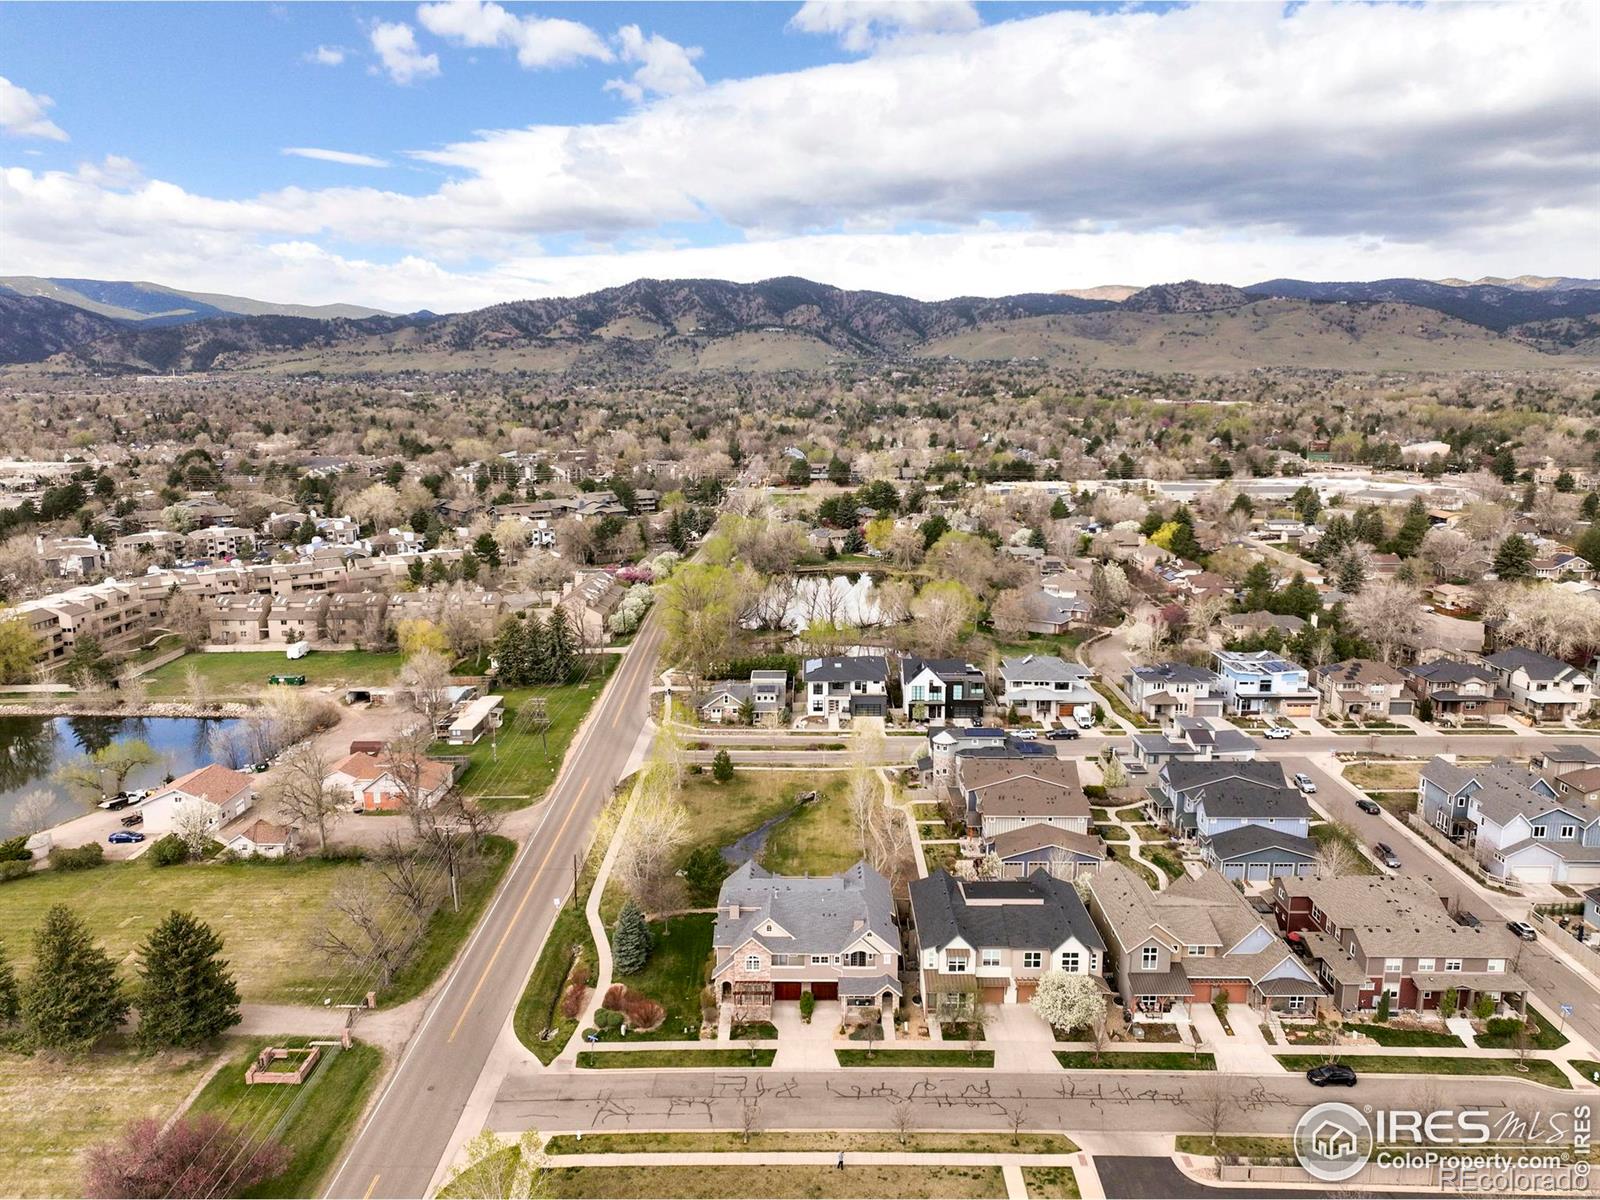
<point x="490" y="151"/>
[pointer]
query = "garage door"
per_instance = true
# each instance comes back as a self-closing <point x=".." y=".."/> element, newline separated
<point x="1202" y="993"/>
<point x="1025" y="992"/>
<point x="1232" y="870"/>
<point x="786" y="991"/>
<point x="825" y="991"/>
<point x="1533" y="874"/>
<point x="991" y="995"/>
<point x="1258" y="873"/>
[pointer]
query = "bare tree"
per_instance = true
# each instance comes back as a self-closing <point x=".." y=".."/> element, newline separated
<point x="902" y="1120"/>
<point x="1388" y="613"/>
<point x="302" y="793"/>
<point x="196" y="685"/>
<point x="361" y="931"/>
<point x="749" y="1119"/>
<point x="424" y="683"/>
<point x="1210" y="1102"/>
<point x="1016" y="1118"/>
<point x="192" y="824"/>
<point x="1336" y="853"/>
<point x="31" y="813"/>
<point x="872" y="1033"/>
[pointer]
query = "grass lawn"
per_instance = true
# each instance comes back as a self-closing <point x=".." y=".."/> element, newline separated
<point x="1137" y="720"/>
<point x="52" y="1109"/>
<point x="1538" y="1070"/>
<point x="798" y="1140"/>
<point x="1397" y="804"/>
<point x="914" y="1058"/>
<point x="1242" y="1144"/>
<point x="760" y="1030"/>
<point x="673" y="977"/>
<point x="1383" y="776"/>
<point x="731" y="1182"/>
<point x="1388" y="1035"/>
<point x="242" y="674"/>
<point x="569" y="943"/>
<point x="1587" y="1067"/>
<point x="514" y="769"/>
<point x="1322" y="832"/>
<point x="1545" y="1037"/>
<point x="316" y="1117"/>
<point x="643" y="1060"/>
<point x="1142" y="871"/>
<point x="448" y="929"/>
<point x="1050" y="1183"/>
<point x="1164" y="858"/>
<point x="1130" y="1060"/>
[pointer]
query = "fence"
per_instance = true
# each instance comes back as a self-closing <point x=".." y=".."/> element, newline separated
<point x="1459" y="856"/>
<point x="1587" y="956"/>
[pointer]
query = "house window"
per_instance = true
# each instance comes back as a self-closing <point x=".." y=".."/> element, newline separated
<point x="1195" y="951"/>
<point x="1069" y="961"/>
<point x="752" y="962"/>
<point x="956" y="966"/>
<point x="1032" y="960"/>
<point x="1296" y="1004"/>
<point x="1391" y="966"/>
<point x="1496" y="964"/>
<point x="989" y="958"/>
<point x="856" y="958"/>
<point x="1424" y="964"/>
<point x="1149" y="957"/>
<point x="1568" y="832"/>
<point x="1538" y="831"/>
<point x="818" y="960"/>
<point x="1452" y="964"/>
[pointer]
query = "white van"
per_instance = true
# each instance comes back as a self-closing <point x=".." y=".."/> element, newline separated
<point x="1084" y="717"/>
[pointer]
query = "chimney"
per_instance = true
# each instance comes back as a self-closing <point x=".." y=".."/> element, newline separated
<point x="856" y="924"/>
<point x="733" y="912"/>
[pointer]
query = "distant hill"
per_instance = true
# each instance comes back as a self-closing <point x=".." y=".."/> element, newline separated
<point x="1114" y="292"/>
<point x="33" y="328"/>
<point x="1526" y="283"/>
<point x="1490" y="305"/>
<point x="1186" y="297"/>
<point x="155" y="304"/>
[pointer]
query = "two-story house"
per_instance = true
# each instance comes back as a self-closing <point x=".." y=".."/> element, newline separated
<point x="1457" y="690"/>
<point x="777" y="936"/>
<point x="297" y="619"/>
<point x="1167" y="690"/>
<point x="1250" y="823"/>
<point x="1520" y="825"/>
<point x="1259" y="683"/>
<point x="1198" y="939"/>
<point x="1371" y="934"/>
<point x="1045" y="688"/>
<point x="989" y="941"/>
<point x="938" y="690"/>
<point x="239" y="620"/>
<point x="948" y="744"/>
<point x="1542" y="687"/>
<point x="769" y="696"/>
<point x="855" y="685"/>
<point x="1191" y="739"/>
<point x="1007" y="793"/>
<point x="1362" y="687"/>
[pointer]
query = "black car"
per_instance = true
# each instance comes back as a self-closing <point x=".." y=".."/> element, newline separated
<point x="1331" y="1075"/>
<point x="1064" y="734"/>
<point x="1369" y="806"/>
<point x="132" y="819"/>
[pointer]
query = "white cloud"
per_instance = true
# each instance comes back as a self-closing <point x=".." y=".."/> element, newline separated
<point x="395" y="44"/>
<point x="22" y="113"/>
<point x="539" y="41"/>
<point x="860" y="24"/>
<point x="325" y="56"/>
<point x="344" y="157"/>
<point x="666" y="68"/>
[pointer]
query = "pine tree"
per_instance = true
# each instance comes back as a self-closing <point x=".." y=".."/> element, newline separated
<point x="8" y="989"/>
<point x="73" y="997"/>
<point x="722" y="767"/>
<point x="186" y="994"/>
<point x="1351" y="574"/>
<point x="535" y="651"/>
<point x="561" y="657"/>
<point x="1514" y="559"/>
<point x="1415" y="527"/>
<point x="486" y="548"/>
<point x="510" y="654"/>
<point x="630" y="943"/>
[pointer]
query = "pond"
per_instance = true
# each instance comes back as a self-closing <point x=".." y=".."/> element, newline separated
<point x="794" y="602"/>
<point x="32" y="748"/>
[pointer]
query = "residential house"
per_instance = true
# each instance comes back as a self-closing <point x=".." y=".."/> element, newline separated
<point x="356" y="618"/>
<point x="1563" y="759"/>
<point x="1543" y="688"/>
<point x="475" y="719"/>
<point x="239" y="620"/>
<point x="724" y="702"/>
<point x="1190" y="739"/>
<point x="217" y="793"/>
<point x="1259" y="683"/>
<point x="984" y="942"/>
<point x="1049" y="848"/>
<point x="1582" y="786"/>
<point x="264" y="839"/>
<point x="1370" y="934"/>
<point x="1251" y="854"/>
<point x="71" y="557"/>
<point x="938" y="690"/>
<point x="948" y="744"/>
<point x="769" y="695"/>
<point x="589" y="603"/>
<point x="297" y="619"/>
<point x="1518" y="824"/>
<point x="1167" y="690"/>
<point x="1562" y="565"/>
<point x="1457" y="690"/>
<point x="1362" y="688"/>
<point x="1008" y="793"/>
<point x="849" y="686"/>
<point x="1198" y="939"/>
<point x="381" y="783"/>
<point x="158" y="543"/>
<point x="1203" y="799"/>
<point x="1046" y="689"/>
<point x="778" y="936"/>
<point x="1048" y="613"/>
<point x="1261" y="621"/>
<point x="219" y="541"/>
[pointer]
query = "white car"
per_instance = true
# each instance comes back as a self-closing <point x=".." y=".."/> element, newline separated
<point x="1026" y="735"/>
<point x="1305" y="783"/>
<point x="1278" y="732"/>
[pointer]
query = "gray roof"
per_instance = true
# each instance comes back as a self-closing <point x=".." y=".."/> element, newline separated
<point x="1188" y="776"/>
<point x="1504" y="789"/>
<point x="1042" y="668"/>
<point x="1449" y="670"/>
<point x="1572" y="752"/>
<point x="1537" y="666"/>
<point x="1027" y="838"/>
<point x="948" y="669"/>
<point x="1243" y="800"/>
<point x="850" y="668"/>
<point x="1257" y="841"/>
<point x="1163" y="673"/>
<point x="819" y="913"/>
<point x="1036" y="913"/>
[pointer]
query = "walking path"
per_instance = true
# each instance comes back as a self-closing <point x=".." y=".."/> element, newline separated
<point x="1134" y="847"/>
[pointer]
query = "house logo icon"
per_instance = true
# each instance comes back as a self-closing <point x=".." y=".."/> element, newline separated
<point x="1333" y="1142"/>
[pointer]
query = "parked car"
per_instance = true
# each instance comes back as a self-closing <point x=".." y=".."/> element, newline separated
<point x="1084" y="717"/>
<point x="1523" y="930"/>
<point x="1331" y="1075"/>
<point x="1065" y="734"/>
<point x="1470" y="920"/>
<point x="132" y="819"/>
<point x="1387" y="856"/>
<point x="1305" y="783"/>
<point x="120" y="800"/>
<point x="125" y="836"/>
<point x="1368" y="805"/>
<point x="1278" y="732"/>
<point x="1026" y="735"/>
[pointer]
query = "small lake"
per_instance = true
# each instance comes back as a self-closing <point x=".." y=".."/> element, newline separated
<point x="31" y="748"/>
<point x="819" y="600"/>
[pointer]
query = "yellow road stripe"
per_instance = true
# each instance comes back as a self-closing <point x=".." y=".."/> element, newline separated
<point x="371" y="1187"/>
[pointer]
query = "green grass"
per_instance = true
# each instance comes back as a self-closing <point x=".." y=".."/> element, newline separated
<point x="1165" y="859"/>
<point x="234" y="675"/>
<point x="1539" y="1071"/>
<point x="1243" y="1145"/>
<point x="1587" y="1067"/>
<point x="614" y="1060"/>
<point x="1384" y="776"/>
<point x="1388" y="1035"/>
<point x="914" y="1058"/>
<point x="1322" y="833"/>
<point x="316" y="1116"/>
<point x="792" y="1141"/>
<point x="1152" y="880"/>
<point x="448" y="928"/>
<point x="1544" y="1037"/>
<point x="762" y="1031"/>
<point x="673" y="977"/>
<point x="731" y="1181"/>
<point x="1114" y="702"/>
<point x="1050" y="1183"/>
<point x="1128" y="1060"/>
<point x="819" y="838"/>
<point x="514" y="769"/>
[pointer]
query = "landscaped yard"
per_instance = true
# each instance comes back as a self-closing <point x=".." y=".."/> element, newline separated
<point x="1322" y="832"/>
<point x="1539" y="1071"/>
<point x="914" y="1058"/>
<point x="51" y="1109"/>
<point x="1242" y="1144"/>
<point x="1587" y="1067"/>
<point x="1388" y="1035"/>
<point x="1545" y="1037"/>
<point x="643" y="1060"/>
<point x="513" y="769"/>
<point x="1132" y="1060"/>
<point x="673" y="977"/>
<point x="790" y="1141"/>
<point x="1050" y="1183"/>
<point x="232" y="675"/>
<point x="1137" y="720"/>
<point x="316" y="1116"/>
<point x="743" y="1181"/>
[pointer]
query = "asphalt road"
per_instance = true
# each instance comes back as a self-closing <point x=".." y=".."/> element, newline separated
<point x="407" y="1132"/>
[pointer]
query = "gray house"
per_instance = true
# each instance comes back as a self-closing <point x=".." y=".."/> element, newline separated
<point x="1257" y="854"/>
<point x="850" y="686"/>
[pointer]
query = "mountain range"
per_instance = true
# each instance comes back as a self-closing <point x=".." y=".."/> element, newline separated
<point x="796" y="323"/>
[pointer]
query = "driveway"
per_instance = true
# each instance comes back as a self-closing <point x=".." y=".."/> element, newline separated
<point x="803" y="1047"/>
<point x="1020" y="1040"/>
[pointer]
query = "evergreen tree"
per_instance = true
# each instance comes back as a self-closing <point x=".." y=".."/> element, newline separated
<point x="1514" y="559"/>
<point x="561" y="655"/>
<point x="1337" y="535"/>
<point x="535" y="651"/>
<point x="1504" y="464"/>
<point x="510" y="653"/>
<point x="1351" y="574"/>
<point x="1257" y="586"/>
<point x="630" y="942"/>
<point x="73" y="997"/>
<point x="1590" y="508"/>
<point x="1588" y="546"/>
<point x="677" y="535"/>
<point x="486" y="548"/>
<point x="722" y="767"/>
<point x="1412" y="530"/>
<point x="1059" y="510"/>
<point x="8" y="989"/>
<point x="1307" y="503"/>
<point x="186" y="994"/>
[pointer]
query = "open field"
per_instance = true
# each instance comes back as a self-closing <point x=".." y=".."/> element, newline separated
<point x="52" y="1109"/>
<point x="312" y="1120"/>
<point x="1383" y="776"/>
<point x="229" y="676"/>
<point x="744" y="1181"/>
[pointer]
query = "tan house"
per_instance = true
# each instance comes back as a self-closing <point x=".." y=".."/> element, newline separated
<point x="297" y="619"/>
<point x="377" y="783"/>
<point x="1007" y="793"/>
<point x="240" y="620"/>
<point x="1362" y="687"/>
<point x="356" y="618"/>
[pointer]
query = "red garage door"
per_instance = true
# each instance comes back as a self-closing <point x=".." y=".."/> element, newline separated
<point x="825" y="991"/>
<point x="786" y="991"/>
<point x="992" y="995"/>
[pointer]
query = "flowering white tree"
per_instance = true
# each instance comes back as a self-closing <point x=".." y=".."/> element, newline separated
<point x="1069" y="1002"/>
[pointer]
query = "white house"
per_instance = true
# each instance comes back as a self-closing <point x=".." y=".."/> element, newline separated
<point x="222" y="794"/>
<point x="1544" y="688"/>
<point x="1042" y="687"/>
<point x="1261" y="683"/>
<point x="264" y="839"/>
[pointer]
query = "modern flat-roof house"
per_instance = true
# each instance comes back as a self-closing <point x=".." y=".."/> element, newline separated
<point x="1458" y="690"/>
<point x="1259" y="683"/>
<point x="769" y="695"/>
<point x="1008" y="793"/>
<point x="938" y="690"/>
<point x="849" y="686"/>
<point x="218" y="792"/>
<point x="1518" y="824"/>
<point x="1168" y="690"/>
<point x="1044" y="688"/>
<point x="777" y="936"/>
<point x="1362" y="687"/>
<point x="1371" y="934"/>
<point x="1192" y="739"/>
<point x="1198" y="939"/>
<point x="988" y="941"/>
<point x="1544" y="688"/>
<point x="1050" y="848"/>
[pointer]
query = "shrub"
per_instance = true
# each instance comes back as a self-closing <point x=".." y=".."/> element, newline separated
<point x="643" y="1012"/>
<point x="1382" y="1014"/>
<point x="168" y="851"/>
<point x="15" y="850"/>
<point x="79" y="858"/>
<point x="607" y="1019"/>
<point x="615" y="995"/>
<point x="15" y="869"/>
<point x="722" y="766"/>
<point x="1503" y="1027"/>
<point x="197" y="1156"/>
<point x="808" y="1005"/>
<point x="1096" y="791"/>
